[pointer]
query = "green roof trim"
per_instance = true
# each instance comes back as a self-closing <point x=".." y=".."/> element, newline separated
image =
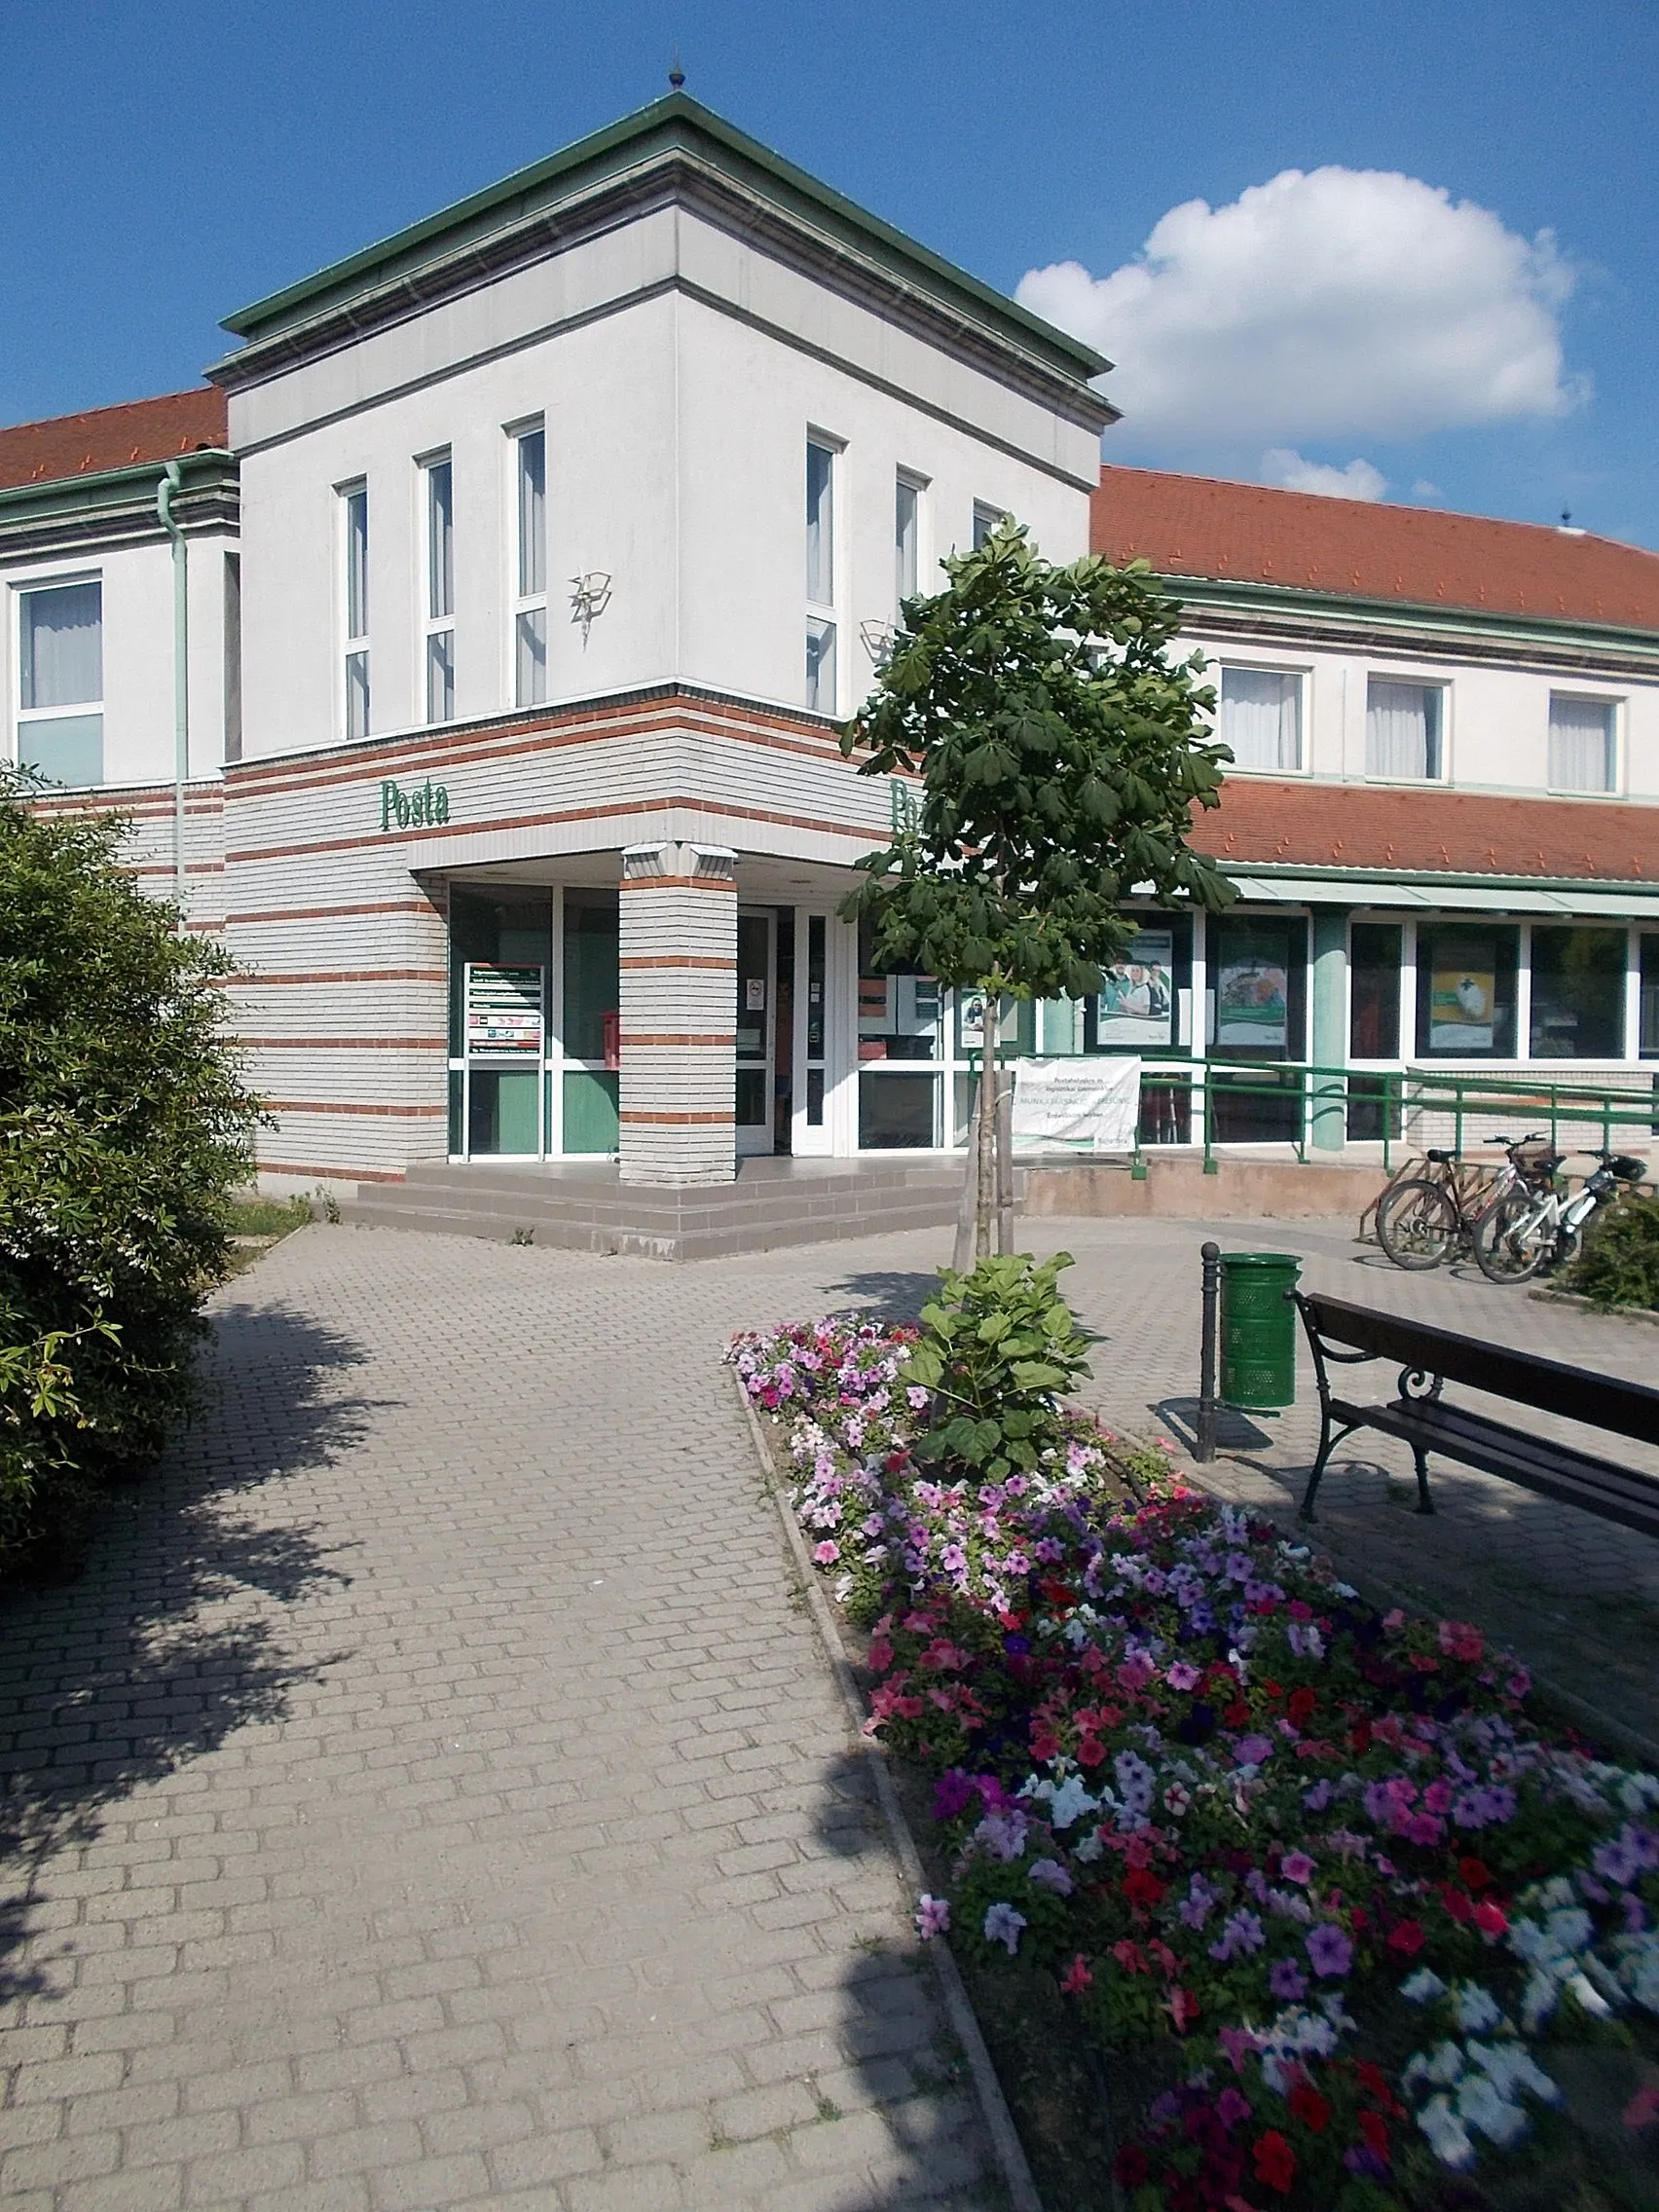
<point x="674" y="125"/>
<point x="134" y="484"/>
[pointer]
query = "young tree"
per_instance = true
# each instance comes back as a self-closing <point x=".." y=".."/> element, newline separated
<point x="1061" y="749"/>
<point x="124" y="1124"/>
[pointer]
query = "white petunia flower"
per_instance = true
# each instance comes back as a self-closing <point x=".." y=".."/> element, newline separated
<point x="1447" y="2137"/>
<point x="1479" y="2102"/>
<point x="1475" y="2009"/>
<point x="1422" y="1987"/>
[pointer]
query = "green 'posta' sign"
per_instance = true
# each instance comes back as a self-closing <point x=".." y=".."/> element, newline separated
<point x="418" y="809"/>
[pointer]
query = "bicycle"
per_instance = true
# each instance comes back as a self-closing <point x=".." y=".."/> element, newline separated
<point x="1522" y="1233"/>
<point x="1424" y="1219"/>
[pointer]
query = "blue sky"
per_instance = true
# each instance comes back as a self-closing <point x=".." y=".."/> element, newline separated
<point x="1457" y="300"/>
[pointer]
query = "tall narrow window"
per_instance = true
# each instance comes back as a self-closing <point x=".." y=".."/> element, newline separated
<point x="987" y="520"/>
<point x="819" y="578"/>
<point x="530" y="621"/>
<point x="907" y="551"/>
<point x="440" y="591"/>
<point x="60" y="683"/>
<point x="233" y="657"/>
<point x="1405" y="725"/>
<point x="1583" y="745"/>
<point x="1261" y="717"/>
<point x="355" y="506"/>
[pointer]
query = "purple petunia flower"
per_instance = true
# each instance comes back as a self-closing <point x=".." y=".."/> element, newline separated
<point x="953" y="1792"/>
<point x="1183" y="1676"/>
<point x="1241" y="1932"/>
<point x="1251" y="1751"/>
<point x="1049" y="1874"/>
<point x="1330" y="1950"/>
<point x="1232" y="2107"/>
<point x="1317" y="1798"/>
<point x="1005" y="1926"/>
<point x="932" y="1916"/>
<point x="1297" y="1866"/>
<point x="1287" y="1979"/>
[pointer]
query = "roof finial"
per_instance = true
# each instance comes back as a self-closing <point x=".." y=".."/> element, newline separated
<point x="676" y="74"/>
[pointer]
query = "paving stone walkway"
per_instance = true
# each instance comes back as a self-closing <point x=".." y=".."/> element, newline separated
<point x="434" y="1795"/>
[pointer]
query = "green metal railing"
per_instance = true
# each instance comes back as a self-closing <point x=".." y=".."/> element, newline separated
<point x="1207" y="1103"/>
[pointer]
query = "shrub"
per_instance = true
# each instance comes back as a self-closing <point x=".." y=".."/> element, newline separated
<point x="124" y="1124"/>
<point x="1619" y="1265"/>
<point x="997" y="1349"/>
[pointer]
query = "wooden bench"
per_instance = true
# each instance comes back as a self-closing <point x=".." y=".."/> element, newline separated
<point x="1340" y="1334"/>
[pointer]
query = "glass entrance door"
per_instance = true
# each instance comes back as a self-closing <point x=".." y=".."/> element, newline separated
<point x="755" y="1030"/>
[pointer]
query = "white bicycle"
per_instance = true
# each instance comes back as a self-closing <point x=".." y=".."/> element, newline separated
<point x="1524" y="1231"/>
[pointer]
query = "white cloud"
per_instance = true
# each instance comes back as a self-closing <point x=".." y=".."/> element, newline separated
<point x="1329" y="304"/>
<point x="1284" y="466"/>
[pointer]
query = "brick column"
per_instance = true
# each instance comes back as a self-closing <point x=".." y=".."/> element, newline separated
<point x="678" y="1015"/>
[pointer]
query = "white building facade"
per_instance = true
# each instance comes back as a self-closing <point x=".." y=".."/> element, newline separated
<point x="529" y="562"/>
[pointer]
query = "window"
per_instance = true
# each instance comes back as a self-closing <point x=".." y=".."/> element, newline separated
<point x="1261" y="717"/>
<point x="233" y="657"/>
<point x="355" y="507"/>
<point x="1405" y="727"/>
<point x="530" y="617"/>
<point x="1465" y="991"/>
<point x="820" y="687"/>
<point x="985" y="520"/>
<point x="1649" y="1000"/>
<point x="60" y="683"/>
<point x="1374" y="1003"/>
<point x="440" y="622"/>
<point x="1578" y="994"/>
<point x="1583" y="745"/>
<point x="906" y="547"/>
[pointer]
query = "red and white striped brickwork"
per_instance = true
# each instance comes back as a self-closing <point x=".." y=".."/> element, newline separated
<point x="679" y="983"/>
<point x="337" y="906"/>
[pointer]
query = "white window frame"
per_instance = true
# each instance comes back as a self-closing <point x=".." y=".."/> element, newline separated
<point x="23" y="718"/>
<point x="823" y="614"/>
<point x="988" y="513"/>
<point x="1304" y="736"/>
<point x="354" y="613"/>
<point x="527" y="602"/>
<point x="913" y="481"/>
<point x="437" y="621"/>
<point x="1613" y="788"/>
<point x="1418" y="681"/>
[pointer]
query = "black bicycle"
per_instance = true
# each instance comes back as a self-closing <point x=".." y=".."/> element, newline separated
<point x="1422" y="1219"/>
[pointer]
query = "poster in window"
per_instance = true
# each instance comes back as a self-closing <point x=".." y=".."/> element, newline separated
<point x="504" y="1011"/>
<point x="971" y="1022"/>
<point x="1252" y="1004"/>
<point x="1138" y="993"/>
<point x="1461" y="1009"/>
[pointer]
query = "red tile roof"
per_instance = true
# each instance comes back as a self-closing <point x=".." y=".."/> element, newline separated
<point x="113" y="437"/>
<point x="1343" y="826"/>
<point x="1195" y="526"/>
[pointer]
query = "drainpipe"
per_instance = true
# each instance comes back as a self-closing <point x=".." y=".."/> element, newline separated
<point x="170" y="482"/>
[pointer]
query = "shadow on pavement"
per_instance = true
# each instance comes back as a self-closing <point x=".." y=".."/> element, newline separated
<point x="165" y="1644"/>
<point x="893" y="1293"/>
<point x="900" y="2057"/>
<point x="1233" y="1431"/>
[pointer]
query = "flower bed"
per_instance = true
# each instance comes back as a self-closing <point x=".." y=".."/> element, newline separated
<point x="1357" y="1921"/>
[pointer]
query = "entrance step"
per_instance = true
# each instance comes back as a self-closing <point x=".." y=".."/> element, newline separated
<point x="587" y="1208"/>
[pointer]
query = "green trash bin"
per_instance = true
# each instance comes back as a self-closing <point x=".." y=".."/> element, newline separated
<point x="1258" y="1329"/>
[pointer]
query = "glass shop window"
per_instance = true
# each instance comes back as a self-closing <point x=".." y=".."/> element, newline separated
<point x="1578" y="994"/>
<point x="1465" y="991"/>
